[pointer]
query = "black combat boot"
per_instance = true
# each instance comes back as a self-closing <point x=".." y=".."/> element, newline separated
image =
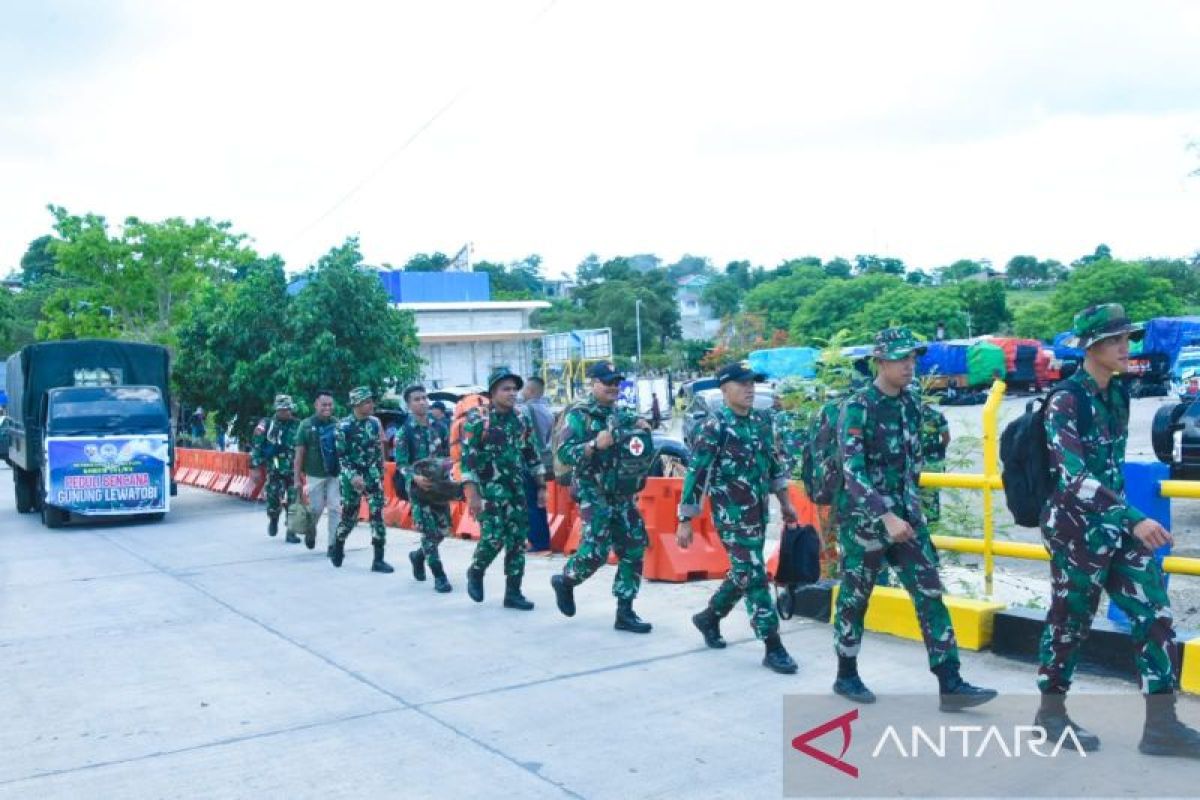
<point x="1164" y="734"/>
<point x="272" y="525"/>
<point x="628" y="620"/>
<point x="418" y="564"/>
<point x="292" y="538"/>
<point x="337" y="553"/>
<point x="512" y="594"/>
<point x="1052" y="717"/>
<point x="776" y="658"/>
<point x="955" y="693"/>
<point x="310" y="537"/>
<point x="379" y="565"/>
<point x="564" y="594"/>
<point x="475" y="584"/>
<point x="848" y="684"/>
<point x="440" y="584"/>
<point x="709" y="625"/>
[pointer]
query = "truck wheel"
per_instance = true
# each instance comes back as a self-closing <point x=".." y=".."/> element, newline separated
<point x="23" y="489"/>
<point x="53" y="517"/>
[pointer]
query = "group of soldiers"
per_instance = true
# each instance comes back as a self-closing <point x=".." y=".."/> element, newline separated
<point x="1096" y="540"/>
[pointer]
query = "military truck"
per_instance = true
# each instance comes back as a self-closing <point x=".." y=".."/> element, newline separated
<point x="89" y="431"/>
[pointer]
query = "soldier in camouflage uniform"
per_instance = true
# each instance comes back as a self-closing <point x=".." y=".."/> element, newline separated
<point x="499" y="445"/>
<point x="610" y="520"/>
<point x="879" y="519"/>
<point x="274" y="444"/>
<point x="1098" y="541"/>
<point x="735" y="462"/>
<point x="360" y="456"/>
<point x="935" y="437"/>
<point x="420" y="438"/>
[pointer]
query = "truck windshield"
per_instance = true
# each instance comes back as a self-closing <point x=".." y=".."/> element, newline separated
<point x="106" y="409"/>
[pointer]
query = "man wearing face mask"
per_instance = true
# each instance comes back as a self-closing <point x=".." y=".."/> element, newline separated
<point x="498" y="448"/>
<point x="610" y="518"/>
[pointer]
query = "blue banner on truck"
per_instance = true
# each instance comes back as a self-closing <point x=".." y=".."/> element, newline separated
<point x="109" y="475"/>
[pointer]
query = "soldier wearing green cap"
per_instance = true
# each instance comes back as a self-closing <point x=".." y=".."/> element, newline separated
<point x="273" y="444"/>
<point x="880" y="520"/>
<point x="360" y="458"/>
<point x="499" y="446"/>
<point x="1099" y="542"/>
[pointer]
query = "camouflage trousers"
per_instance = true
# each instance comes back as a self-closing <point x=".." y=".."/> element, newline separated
<point x="433" y="522"/>
<point x="278" y="492"/>
<point x="352" y="502"/>
<point x="1108" y="558"/>
<point x="865" y="549"/>
<point x="747" y="578"/>
<point x="503" y="525"/>
<point x="617" y="526"/>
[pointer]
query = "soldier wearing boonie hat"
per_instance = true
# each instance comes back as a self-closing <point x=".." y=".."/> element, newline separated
<point x="880" y="520"/>
<point x="1099" y="541"/>
<point x="273" y="443"/>
<point x="360" y="461"/>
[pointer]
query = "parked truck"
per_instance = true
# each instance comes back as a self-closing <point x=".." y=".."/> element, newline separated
<point x="90" y="430"/>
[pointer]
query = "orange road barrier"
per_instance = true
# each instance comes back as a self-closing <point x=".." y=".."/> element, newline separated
<point x="467" y="527"/>
<point x="561" y="513"/>
<point x="665" y="560"/>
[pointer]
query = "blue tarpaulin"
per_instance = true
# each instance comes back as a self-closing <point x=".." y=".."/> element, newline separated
<point x="1061" y="350"/>
<point x="1170" y="334"/>
<point x="785" y="362"/>
<point x="943" y="358"/>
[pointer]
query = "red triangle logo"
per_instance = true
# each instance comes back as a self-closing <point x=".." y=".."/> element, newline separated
<point x="802" y="741"/>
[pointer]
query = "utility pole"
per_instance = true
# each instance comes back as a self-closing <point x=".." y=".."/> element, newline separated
<point x="637" y="312"/>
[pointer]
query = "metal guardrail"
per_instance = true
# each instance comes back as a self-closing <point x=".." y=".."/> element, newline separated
<point x="989" y="481"/>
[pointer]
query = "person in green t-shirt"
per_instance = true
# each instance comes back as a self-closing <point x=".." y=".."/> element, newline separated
<point x="318" y="487"/>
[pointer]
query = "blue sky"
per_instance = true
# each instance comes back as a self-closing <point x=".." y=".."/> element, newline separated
<point x="764" y="130"/>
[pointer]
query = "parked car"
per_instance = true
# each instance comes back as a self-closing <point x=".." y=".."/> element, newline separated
<point x="708" y="401"/>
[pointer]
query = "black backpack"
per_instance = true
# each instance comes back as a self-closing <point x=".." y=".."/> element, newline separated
<point x="326" y="436"/>
<point x="799" y="563"/>
<point x="1025" y="458"/>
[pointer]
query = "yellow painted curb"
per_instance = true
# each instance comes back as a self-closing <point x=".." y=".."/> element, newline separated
<point x="891" y="611"/>
<point x="1189" y="675"/>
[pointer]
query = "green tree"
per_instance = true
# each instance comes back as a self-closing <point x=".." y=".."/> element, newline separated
<point x="1102" y="253"/>
<point x="1025" y="269"/>
<point x="960" y="270"/>
<point x="1183" y="275"/>
<point x="1033" y="321"/>
<point x="723" y="295"/>
<point x="423" y="262"/>
<point x="918" y="308"/>
<point x="690" y="265"/>
<point x="1127" y="283"/>
<point x="38" y="262"/>
<point x="777" y="300"/>
<point x="828" y="310"/>
<point x="875" y="265"/>
<point x="986" y="302"/>
<point x="519" y="280"/>
<point x="135" y="284"/>
<point x="838" y="268"/>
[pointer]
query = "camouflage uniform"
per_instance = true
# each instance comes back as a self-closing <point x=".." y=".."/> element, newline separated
<point x="737" y="457"/>
<point x="609" y="520"/>
<point x="274" y="443"/>
<point x="791" y="436"/>
<point x="881" y="461"/>
<point x="1087" y="526"/>
<point x="414" y="442"/>
<point x="933" y="429"/>
<point x="497" y="450"/>
<point x="358" y="450"/>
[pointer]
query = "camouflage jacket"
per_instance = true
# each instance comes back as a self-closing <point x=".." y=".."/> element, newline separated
<point x="933" y="429"/>
<point x="497" y="450"/>
<point x="593" y="475"/>
<point x="274" y="444"/>
<point x="1091" y="478"/>
<point x="414" y="442"/>
<point x="881" y="456"/>
<point x="359" y="449"/>
<point x="791" y="436"/>
<point x="740" y="472"/>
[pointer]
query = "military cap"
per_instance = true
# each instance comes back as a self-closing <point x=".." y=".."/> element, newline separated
<point x="893" y="344"/>
<point x="738" y="371"/>
<point x="361" y="394"/>
<point x="500" y="373"/>
<point x="284" y="401"/>
<point x="1095" y="323"/>
<point x="604" y="372"/>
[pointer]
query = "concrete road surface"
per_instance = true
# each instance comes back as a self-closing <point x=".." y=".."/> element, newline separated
<point x="197" y="657"/>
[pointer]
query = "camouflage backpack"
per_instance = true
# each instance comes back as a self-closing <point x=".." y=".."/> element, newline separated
<point x="821" y="459"/>
<point x="558" y="435"/>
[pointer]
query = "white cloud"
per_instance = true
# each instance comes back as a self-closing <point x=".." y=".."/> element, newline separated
<point x="929" y="131"/>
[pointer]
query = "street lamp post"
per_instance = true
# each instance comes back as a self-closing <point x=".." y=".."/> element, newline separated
<point x="637" y="312"/>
